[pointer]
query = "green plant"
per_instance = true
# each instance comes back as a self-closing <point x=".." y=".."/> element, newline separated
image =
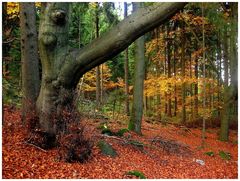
<point x="137" y="174"/>
<point x="121" y="132"/>
<point x="106" y="148"/>
<point x="210" y="153"/>
<point x="225" y="155"/>
<point x="107" y="131"/>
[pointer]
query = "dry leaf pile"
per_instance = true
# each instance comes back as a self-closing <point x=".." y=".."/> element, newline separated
<point x="21" y="160"/>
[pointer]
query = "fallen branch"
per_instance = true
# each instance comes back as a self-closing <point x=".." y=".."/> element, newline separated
<point x="35" y="146"/>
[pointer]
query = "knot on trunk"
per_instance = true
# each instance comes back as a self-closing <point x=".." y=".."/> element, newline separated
<point x="49" y="40"/>
<point x="59" y="17"/>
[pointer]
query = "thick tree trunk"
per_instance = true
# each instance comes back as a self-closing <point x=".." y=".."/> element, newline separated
<point x="54" y="53"/>
<point x="6" y="47"/>
<point x="224" y="130"/>
<point x="116" y="40"/>
<point x="30" y="58"/>
<point x="62" y="67"/>
<point x="234" y="51"/>
<point x="230" y="92"/>
<point x="139" y="74"/>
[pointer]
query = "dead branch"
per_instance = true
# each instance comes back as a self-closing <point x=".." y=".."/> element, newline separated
<point x="25" y="142"/>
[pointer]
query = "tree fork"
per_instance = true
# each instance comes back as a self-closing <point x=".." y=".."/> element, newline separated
<point x="62" y="67"/>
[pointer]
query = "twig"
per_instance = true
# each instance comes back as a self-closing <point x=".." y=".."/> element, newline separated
<point x="9" y="41"/>
<point x="35" y="146"/>
<point x="114" y="137"/>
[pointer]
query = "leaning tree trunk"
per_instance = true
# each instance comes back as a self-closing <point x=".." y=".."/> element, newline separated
<point x="29" y="58"/>
<point x="62" y="67"/>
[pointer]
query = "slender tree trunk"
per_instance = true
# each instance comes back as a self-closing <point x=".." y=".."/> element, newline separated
<point x="165" y="71"/>
<point x="169" y="109"/>
<point x="183" y="84"/>
<point x="195" y="115"/>
<point x="126" y="71"/>
<point x="191" y="85"/>
<point x="219" y="57"/>
<point x="175" y="86"/>
<point x="137" y="109"/>
<point x="30" y="58"/>
<point x="98" y="79"/>
<point x="102" y="84"/>
<point x="204" y="81"/>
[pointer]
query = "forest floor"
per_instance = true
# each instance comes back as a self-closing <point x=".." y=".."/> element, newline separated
<point x="178" y="155"/>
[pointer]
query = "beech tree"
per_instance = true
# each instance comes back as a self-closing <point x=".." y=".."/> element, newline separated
<point x="139" y="72"/>
<point x="126" y="69"/>
<point x="29" y="58"/>
<point x="62" y="67"/>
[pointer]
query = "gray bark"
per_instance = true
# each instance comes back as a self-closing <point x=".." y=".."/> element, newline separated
<point x="183" y="84"/>
<point x="139" y="74"/>
<point x="63" y="67"/>
<point x="230" y="91"/>
<point x="126" y="71"/>
<point x="98" y="86"/>
<point x="29" y="58"/>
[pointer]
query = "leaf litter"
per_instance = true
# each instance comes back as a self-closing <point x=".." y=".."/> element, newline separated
<point x="20" y="160"/>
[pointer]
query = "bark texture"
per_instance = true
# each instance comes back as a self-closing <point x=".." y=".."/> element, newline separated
<point x="54" y="53"/>
<point x="29" y="58"/>
<point x="126" y="71"/>
<point x="63" y="67"/>
<point x="139" y="72"/>
<point x="230" y="96"/>
<point x="98" y="86"/>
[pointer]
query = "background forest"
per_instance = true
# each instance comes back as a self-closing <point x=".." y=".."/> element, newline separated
<point x="181" y="76"/>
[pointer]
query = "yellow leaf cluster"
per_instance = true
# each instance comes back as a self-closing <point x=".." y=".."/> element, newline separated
<point x="12" y="9"/>
<point x="89" y="82"/>
<point x="93" y="5"/>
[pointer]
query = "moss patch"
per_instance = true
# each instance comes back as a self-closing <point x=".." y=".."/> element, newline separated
<point x="106" y="148"/>
<point x="137" y="174"/>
